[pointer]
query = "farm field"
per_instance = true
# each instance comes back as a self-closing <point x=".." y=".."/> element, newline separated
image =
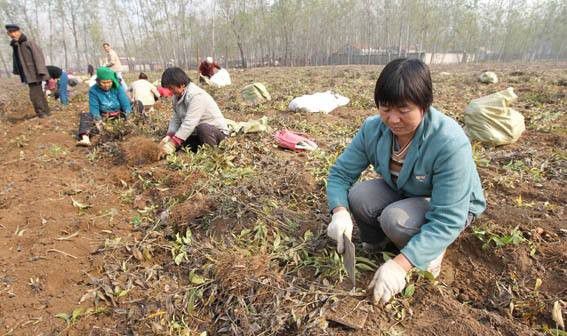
<point x="231" y="241"/>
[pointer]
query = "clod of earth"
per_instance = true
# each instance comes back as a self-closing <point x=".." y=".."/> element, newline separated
<point x="140" y="151"/>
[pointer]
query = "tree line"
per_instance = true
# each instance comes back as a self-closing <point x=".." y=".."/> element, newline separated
<point x="287" y="32"/>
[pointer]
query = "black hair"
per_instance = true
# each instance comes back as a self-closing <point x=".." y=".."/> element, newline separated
<point x="142" y="76"/>
<point x="174" y="77"/>
<point x="105" y="43"/>
<point x="54" y="72"/>
<point x="404" y="80"/>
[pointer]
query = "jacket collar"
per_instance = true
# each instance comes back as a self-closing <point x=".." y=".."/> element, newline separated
<point x="384" y="152"/>
<point x="182" y="98"/>
<point x="383" y="155"/>
<point x="23" y="38"/>
<point x="414" y="150"/>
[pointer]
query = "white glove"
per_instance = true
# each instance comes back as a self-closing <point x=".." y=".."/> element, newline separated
<point x="166" y="148"/>
<point x="165" y="139"/>
<point x="99" y="125"/>
<point x="389" y="280"/>
<point x="340" y="223"/>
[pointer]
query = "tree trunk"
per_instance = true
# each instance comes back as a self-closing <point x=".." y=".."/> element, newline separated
<point x="183" y="41"/>
<point x="63" y="34"/>
<point x="5" y="65"/>
<point x="242" y="57"/>
<point x="74" y="31"/>
<point x="401" y="32"/>
<point x="50" y="51"/>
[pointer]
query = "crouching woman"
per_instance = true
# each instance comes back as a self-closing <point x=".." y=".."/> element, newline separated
<point x="429" y="189"/>
<point x="107" y="99"/>
<point x="196" y="119"/>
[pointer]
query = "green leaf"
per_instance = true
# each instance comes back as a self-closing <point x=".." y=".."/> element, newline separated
<point x="122" y="293"/>
<point x="244" y="232"/>
<point x="64" y="316"/>
<point x="277" y="241"/>
<point x="196" y="279"/>
<point x="77" y="312"/>
<point x="557" y="332"/>
<point x="428" y="275"/>
<point x="191" y="301"/>
<point x="409" y="290"/>
<point x="179" y="258"/>
<point x="366" y="261"/>
<point x="80" y="205"/>
<point x="387" y="255"/>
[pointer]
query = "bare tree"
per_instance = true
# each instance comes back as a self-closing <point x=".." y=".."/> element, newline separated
<point x="293" y="32"/>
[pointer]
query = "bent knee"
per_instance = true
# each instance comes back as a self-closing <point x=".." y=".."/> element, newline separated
<point x="399" y="225"/>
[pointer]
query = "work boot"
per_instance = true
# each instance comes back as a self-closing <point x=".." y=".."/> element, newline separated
<point x="85" y="141"/>
<point x="435" y="265"/>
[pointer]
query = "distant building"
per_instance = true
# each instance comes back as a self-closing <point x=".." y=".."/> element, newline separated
<point x="362" y="54"/>
<point x="447" y="58"/>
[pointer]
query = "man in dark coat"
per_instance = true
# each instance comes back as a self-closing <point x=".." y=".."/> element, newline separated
<point x="29" y="64"/>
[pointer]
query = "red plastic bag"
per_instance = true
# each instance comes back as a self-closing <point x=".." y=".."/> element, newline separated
<point x="295" y="141"/>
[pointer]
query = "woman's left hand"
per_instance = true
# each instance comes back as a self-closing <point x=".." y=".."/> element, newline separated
<point x="389" y="280"/>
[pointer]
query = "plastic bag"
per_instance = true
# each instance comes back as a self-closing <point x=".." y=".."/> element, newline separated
<point x="295" y="141"/>
<point x="490" y="119"/>
<point x="220" y="79"/>
<point x="250" y="126"/>
<point x="255" y="94"/>
<point x="318" y="102"/>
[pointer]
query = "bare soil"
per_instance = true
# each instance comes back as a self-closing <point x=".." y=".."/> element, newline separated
<point x="231" y="240"/>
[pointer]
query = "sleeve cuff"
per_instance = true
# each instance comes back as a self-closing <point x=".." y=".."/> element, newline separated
<point x="412" y="259"/>
<point x="177" y="141"/>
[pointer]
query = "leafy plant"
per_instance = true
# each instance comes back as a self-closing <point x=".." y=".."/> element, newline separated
<point x="515" y="237"/>
<point x="479" y="155"/>
<point x="78" y="313"/>
<point x="57" y="151"/>
<point x="93" y="155"/>
<point x="180" y="246"/>
<point x="321" y="162"/>
<point x="136" y="220"/>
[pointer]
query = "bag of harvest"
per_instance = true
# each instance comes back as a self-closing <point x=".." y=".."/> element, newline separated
<point x="490" y="119"/>
<point x="255" y="93"/>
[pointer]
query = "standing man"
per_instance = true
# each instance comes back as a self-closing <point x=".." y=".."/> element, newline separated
<point x="29" y="64"/>
<point x="113" y="62"/>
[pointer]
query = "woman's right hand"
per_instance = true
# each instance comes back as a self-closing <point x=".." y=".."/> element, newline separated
<point x="99" y="125"/>
<point x="341" y="223"/>
<point x="166" y="148"/>
<point x="165" y="139"/>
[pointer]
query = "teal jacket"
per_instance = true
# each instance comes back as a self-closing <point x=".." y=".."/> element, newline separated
<point x="101" y="101"/>
<point x="439" y="165"/>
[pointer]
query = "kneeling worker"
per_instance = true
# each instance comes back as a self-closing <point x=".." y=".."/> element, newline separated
<point x="196" y="119"/>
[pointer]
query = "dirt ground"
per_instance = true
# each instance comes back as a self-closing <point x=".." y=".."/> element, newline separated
<point x="230" y="241"/>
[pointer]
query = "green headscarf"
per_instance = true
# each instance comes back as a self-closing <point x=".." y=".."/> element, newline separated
<point x="104" y="73"/>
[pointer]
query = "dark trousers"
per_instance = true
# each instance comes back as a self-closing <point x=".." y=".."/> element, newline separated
<point x="139" y="108"/>
<point x="204" y="134"/>
<point x="38" y="99"/>
<point x="87" y="125"/>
